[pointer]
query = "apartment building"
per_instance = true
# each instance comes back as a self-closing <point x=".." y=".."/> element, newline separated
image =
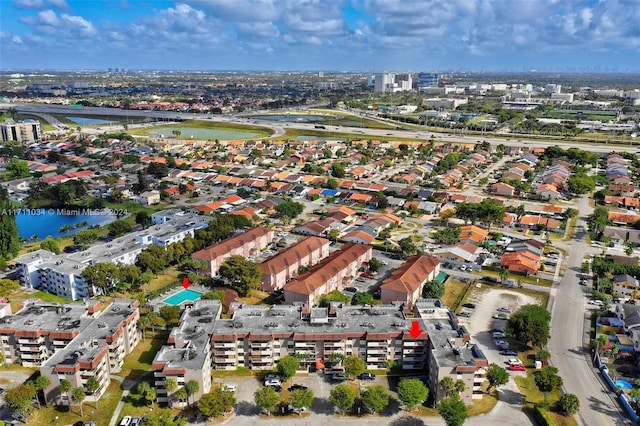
<point x="187" y="356"/>
<point x="40" y="329"/>
<point x="62" y="274"/>
<point x="98" y="351"/>
<point x="25" y="131"/>
<point x="405" y="283"/>
<point x="449" y="352"/>
<point x="282" y="267"/>
<point x="332" y="273"/>
<point x="247" y="244"/>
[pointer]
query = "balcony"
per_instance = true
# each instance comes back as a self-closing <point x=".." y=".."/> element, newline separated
<point x="224" y="360"/>
<point x="224" y="345"/>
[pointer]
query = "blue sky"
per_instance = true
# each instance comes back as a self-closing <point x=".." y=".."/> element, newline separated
<point x="331" y="35"/>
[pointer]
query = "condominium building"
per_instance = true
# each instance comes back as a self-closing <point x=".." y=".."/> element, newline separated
<point x="281" y="268"/>
<point x="391" y="82"/>
<point x="188" y="353"/>
<point x="333" y="273"/>
<point x="450" y="352"/>
<point x="247" y="244"/>
<point x="427" y="79"/>
<point x="98" y="351"/>
<point x="62" y="274"/>
<point x="257" y="337"/>
<point x="24" y="132"/>
<point x="405" y="283"/>
<point x="40" y="329"/>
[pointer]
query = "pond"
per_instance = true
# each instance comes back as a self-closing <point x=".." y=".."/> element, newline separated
<point x="290" y="118"/>
<point x="206" y="134"/>
<point x="41" y="223"/>
<point x="84" y="121"/>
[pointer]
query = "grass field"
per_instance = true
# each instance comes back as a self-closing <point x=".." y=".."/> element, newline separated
<point x="139" y="361"/>
<point x="64" y="415"/>
<point x="533" y="396"/>
<point x="453" y="291"/>
<point x="200" y="124"/>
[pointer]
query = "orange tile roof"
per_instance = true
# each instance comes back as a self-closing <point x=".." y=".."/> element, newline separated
<point x="411" y="274"/>
<point x="224" y="247"/>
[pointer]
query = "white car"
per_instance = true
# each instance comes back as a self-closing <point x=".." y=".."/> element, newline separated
<point x="514" y="361"/>
<point x="229" y="387"/>
<point x="498" y="335"/>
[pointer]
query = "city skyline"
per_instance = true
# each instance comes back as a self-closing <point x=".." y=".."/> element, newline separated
<point x="332" y="35"/>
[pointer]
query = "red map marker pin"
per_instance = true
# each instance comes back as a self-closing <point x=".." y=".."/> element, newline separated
<point x="415" y="329"/>
<point x="185" y="282"/>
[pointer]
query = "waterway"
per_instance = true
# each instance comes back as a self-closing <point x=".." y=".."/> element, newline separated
<point x="84" y="121"/>
<point x="290" y="118"/>
<point x="47" y="222"/>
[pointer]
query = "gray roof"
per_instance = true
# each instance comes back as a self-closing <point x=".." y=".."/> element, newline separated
<point x="37" y="315"/>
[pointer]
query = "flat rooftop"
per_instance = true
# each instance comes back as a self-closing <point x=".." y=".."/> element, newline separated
<point x="36" y="315"/>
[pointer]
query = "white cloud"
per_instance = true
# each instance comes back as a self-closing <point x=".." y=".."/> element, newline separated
<point x="41" y="4"/>
<point x="60" y="26"/>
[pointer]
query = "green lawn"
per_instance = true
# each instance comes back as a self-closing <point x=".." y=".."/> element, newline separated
<point x="533" y="396"/>
<point x="139" y="361"/>
<point x="453" y="291"/>
<point x="64" y="415"/>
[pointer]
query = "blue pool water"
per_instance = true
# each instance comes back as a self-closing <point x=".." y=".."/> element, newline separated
<point x="182" y="296"/>
<point x="623" y="384"/>
<point x="441" y="277"/>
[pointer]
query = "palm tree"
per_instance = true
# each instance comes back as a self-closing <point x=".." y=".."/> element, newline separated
<point x="192" y="387"/>
<point x="504" y="275"/>
<point x="64" y="387"/>
<point x="544" y="356"/>
<point x="77" y="396"/>
<point x="92" y="386"/>
<point x="181" y="394"/>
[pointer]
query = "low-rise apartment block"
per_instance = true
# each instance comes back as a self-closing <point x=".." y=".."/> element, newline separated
<point x="247" y="244"/>
<point x="281" y="268"/>
<point x="62" y="274"/>
<point x="98" y="351"/>
<point x="40" y="329"/>
<point x="405" y="283"/>
<point x="188" y="353"/>
<point x="333" y="273"/>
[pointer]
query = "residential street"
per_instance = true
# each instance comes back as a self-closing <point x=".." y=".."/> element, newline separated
<point x="569" y="343"/>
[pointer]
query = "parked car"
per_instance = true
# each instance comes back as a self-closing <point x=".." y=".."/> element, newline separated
<point x="501" y="316"/>
<point x="339" y="377"/>
<point x="464" y="314"/>
<point x="517" y="367"/>
<point x="366" y="275"/>
<point x="504" y="309"/>
<point x="126" y="421"/>
<point x="498" y="335"/>
<point x="501" y="343"/>
<point x="367" y="376"/>
<point x="297" y="387"/>
<point x="134" y="422"/>
<point x="497" y="330"/>
<point x="277" y="388"/>
<point x="513" y="361"/>
<point x="508" y="352"/>
<point x="272" y="380"/>
<point x="469" y="305"/>
<point x="351" y="289"/>
<point x="229" y="387"/>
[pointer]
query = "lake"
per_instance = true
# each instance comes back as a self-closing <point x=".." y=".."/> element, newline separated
<point x="206" y="134"/>
<point x="84" y="121"/>
<point x="290" y="118"/>
<point x="47" y="222"/>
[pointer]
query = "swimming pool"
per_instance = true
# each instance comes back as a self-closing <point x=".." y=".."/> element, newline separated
<point x="623" y="384"/>
<point x="182" y="296"/>
<point x="441" y="277"/>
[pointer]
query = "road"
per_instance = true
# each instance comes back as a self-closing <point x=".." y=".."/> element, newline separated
<point x="569" y="343"/>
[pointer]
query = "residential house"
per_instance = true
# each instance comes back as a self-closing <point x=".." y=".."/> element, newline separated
<point x="522" y="262"/>
<point x="503" y="189"/>
<point x="624" y="285"/>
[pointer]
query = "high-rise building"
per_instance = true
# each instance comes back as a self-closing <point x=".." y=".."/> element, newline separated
<point x="427" y="79"/>
<point x="388" y="82"/>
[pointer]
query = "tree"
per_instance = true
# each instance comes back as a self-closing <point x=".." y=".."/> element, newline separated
<point x="9" y="238"/>
<point x="459" y="386"/>
<point x="64" y="387"/>
<point x="242" y="275"/>
<point x="164" y="417"/>
<point x="597" y="221"/>
<point x="374" y="265"/>
<point x="19" y="397"/>
<point x="544" y="356"/>
<point x="102" y="275"/>
<point x="143" y="218"/>
<point x="412" y="392"/>
<point x="375" y="398"/>
<point x="40" y="384"/>
<point x="92" y="386"/>
<point x="333" y="296"/>
<point x="267" y="399"/>
<point x="301" y="398"/>
<point x="496" y="376"/>
<point x="8" y="286"/>
<point x="287" y="366"/>
<point x="17" y="169"/>
<point x="181" y="395"/>
<point x="448" y="385"/>
<point x="147" y="391"/>
<point x="51" y="245"/>
<point x="361" y="298"/>
<point x="453" y="411"/>
<point x="354" y="365"/>
<point x="407" y="246"/>
<point x="290" y="209"/>
<point x="548" y="381"/>
<point x="504" y="275"/>
<point x="77" y="396"/>
<point x="581" y="183"/>
<point x="192" y="387"/>
<point x="86" y="236"/>
<point x="170" y="314"/>
<point x="433" y="289"/>
<point x="530" y="325"/>
<point x="338" y="170"/>
<point x="149" y="261"/>
<point x="343" y="397"/>
<point x="119" y="228"/>
<point x="570" y="404"/>
<point x="216" y="402"/>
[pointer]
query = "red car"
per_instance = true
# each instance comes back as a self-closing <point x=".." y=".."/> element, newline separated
<point x="366" y="275"/>
<point x="517" y="367"/>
